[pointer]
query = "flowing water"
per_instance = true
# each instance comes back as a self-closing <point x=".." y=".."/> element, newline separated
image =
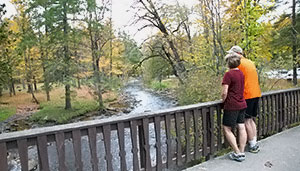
<point x="146" y="101"/>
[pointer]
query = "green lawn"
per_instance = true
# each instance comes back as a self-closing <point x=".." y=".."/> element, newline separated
<point x="55" y="112"/>
<point x="6" y="112"/>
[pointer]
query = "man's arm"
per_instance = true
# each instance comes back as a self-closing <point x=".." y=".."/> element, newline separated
<point x="224" y="92"/>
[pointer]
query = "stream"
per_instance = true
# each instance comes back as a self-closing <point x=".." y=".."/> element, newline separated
<point x="144" y="101"/>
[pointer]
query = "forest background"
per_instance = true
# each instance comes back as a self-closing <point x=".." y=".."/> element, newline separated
<point x="67" y="57"/>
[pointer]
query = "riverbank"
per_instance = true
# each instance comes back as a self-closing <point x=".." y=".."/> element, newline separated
<point x="19" y="112"/>
<point x="134" y="98"/>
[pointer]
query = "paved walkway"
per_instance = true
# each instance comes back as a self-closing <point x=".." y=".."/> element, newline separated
<point x="280" y="152"/>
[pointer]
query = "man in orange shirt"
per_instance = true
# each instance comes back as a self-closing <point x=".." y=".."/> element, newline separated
<point x="252" y="94"/>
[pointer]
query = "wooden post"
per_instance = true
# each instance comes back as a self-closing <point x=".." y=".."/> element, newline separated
<point x="141" y="145"/>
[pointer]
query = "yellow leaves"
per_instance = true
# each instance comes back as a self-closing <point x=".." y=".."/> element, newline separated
<point x="285" y="22"/>
<point x="14" y="26"/>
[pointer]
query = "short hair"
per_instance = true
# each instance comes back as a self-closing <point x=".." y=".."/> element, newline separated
<point x="233" y="60"/>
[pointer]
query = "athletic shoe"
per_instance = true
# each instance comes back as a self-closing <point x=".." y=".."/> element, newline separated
<point x="237" y="157"/>
<point x="254" y="149"/>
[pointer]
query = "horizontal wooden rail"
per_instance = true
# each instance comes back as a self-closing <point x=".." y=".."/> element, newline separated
<point x="168" y="138"/>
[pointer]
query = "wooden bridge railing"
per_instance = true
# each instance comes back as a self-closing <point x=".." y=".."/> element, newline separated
<point x="148" y="141"/>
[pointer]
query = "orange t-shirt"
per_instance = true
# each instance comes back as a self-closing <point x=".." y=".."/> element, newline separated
<point x="251" y="89"/>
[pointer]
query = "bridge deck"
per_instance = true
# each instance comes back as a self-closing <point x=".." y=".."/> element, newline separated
<point x="278" y="152"/>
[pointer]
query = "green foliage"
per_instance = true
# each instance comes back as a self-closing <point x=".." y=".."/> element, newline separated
<point x="283" y="40"/>
<point x="131" y="52"/>
<point x="5" y="43"/>
<point x="6" y="112"/>
<point x="200" y="86"/>
<point x="113" y="83"/>
<point x="55" y="112"/>
<point x="156" y="68"/>
<point x="246" y="28"/>
<point x="159" y="85"/>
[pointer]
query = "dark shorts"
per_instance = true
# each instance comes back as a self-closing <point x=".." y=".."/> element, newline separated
<point x="233" y="117"/>
<point x="252" y="108"/>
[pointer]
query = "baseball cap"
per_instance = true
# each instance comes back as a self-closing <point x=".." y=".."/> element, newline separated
<point x="232" y="55"/>
<point x="235" y="49"/>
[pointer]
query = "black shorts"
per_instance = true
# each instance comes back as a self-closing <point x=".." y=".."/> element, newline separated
<point x="252" y="108"/>
<point x="233" y="117"/>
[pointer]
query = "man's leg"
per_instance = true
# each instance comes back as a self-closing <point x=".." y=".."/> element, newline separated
<point x="251" y="113"/>
<point x="250" y="128"/>
<point x="231" y="138"/>
<point x="252" y="138"/>
<point x="242" y="137"/>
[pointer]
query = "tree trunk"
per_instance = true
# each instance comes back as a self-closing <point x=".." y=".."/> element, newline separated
<point x="96" y="59"/>
<point x="10" y="90"/>
<point x="98" y="83"/>
<point x="23" y="84"/>
<point x="34" y="83"/>
<point x="68" y="97"/>
<point x="294" y="43"/>
<point x="27" y="72"/>
<point x="1" y="90"/>
<point x="67" y="57"/>
<point x="110" y="46"/>
<point x="78" y="63"/>
<point x="179" y="66"/>
<point x="28" y="86"/>
<point x="173" y="64"/>
<point x="44" y="60"/>
<point x="29" y="75"/>
<point x="13" y="86"/>
<point x="48" y="94"/>
<point x="46" y="82"/>
<point x="32" y="94"/>
<point x="78" y="83"/>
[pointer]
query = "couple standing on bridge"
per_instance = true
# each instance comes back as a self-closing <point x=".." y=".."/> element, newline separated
<point x="240" y="95"/>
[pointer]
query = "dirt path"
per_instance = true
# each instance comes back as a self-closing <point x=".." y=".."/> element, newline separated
<point x="24" y="111"/>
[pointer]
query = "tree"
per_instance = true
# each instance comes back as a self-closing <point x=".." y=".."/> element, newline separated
<point x="99" y="35"/>
<point x="285" y="40"/>
<point x="245" y="27"/>
<point x="60" y="31"/>
<point x="294" y="33"/>
<point x="42" y="20"/>
<point x="131" y="53"/>
<point x="211" y="19"/>
<point x="150" y="12"/>
<point x="25" y="47"/>
<point x="4" y="43"/>
<point x="159" y="67"/>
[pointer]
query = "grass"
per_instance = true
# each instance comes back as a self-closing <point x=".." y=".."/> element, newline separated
<point x="53" y="111"/>
<point x="170" y="83"/>
<point x="276" y="84"/>
<point x="158" y="85"/>
<point x="6" y="112"/>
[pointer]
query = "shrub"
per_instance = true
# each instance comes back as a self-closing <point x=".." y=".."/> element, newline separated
<point x="200" y="86"/>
